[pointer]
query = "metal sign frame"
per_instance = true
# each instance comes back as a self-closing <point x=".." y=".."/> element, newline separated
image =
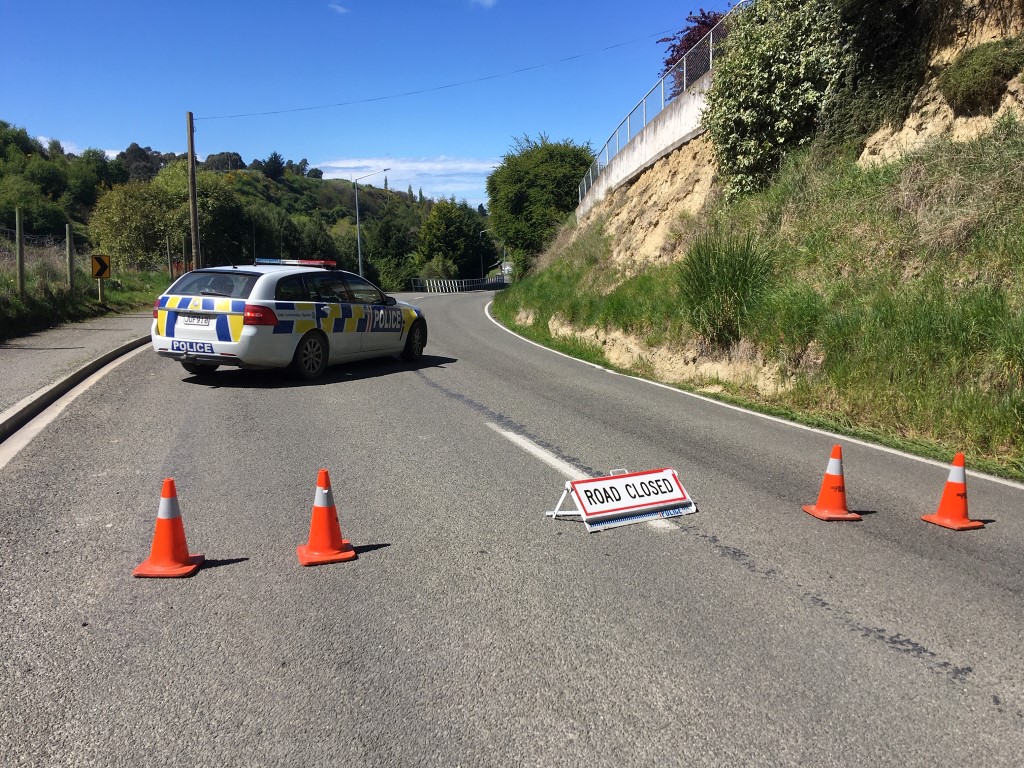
<point x="621" y="498"/>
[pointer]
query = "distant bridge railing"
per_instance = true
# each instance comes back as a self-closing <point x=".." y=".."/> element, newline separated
<point x="694" y="65"/>
<point x="439" y="285"/>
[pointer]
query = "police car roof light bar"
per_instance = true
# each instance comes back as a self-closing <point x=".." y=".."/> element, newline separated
<point x="299" y="262"/>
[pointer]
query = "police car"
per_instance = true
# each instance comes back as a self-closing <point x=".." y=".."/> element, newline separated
<point x="281" y="313"/>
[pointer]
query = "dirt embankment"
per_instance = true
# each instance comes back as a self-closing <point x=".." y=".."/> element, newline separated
<point x="975" y="23"/>
<point x="644" y="217"/>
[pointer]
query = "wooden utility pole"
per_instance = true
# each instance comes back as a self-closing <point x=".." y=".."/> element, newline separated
<point x="193" y="206"/>
<point x="19" y="250"/>
<point x="69" y="245"/>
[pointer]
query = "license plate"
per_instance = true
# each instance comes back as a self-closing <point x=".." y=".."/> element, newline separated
<point x="201" y="320"/>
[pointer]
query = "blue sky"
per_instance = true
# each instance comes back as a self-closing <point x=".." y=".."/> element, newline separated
<point x="436" y="90"/>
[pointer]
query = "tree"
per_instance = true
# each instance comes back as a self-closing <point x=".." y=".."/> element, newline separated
<point x="534" y="188"/>
<point x="130" y="223"/>
<point x="315" y="173"/>
<point x="390" y="243"/>
<point x="698" y="25"/>
<point x="273" y="166"/>
<point x="223" y="225"/>
<point x="143" y="163"/>
<point x="697" y="28"/>
<point x="51" y="177"/>
<point x="19" y="139"/>
<point x="451" y="234"/>
<point x="40" y="215"/>
<point x="223" y="161"/>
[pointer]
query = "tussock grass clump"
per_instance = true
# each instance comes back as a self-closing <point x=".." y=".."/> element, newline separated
<point x="721" y="282"/>
<point x="975" y="82"/>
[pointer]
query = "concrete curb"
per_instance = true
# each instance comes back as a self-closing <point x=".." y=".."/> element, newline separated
<point x="18" y="415"/>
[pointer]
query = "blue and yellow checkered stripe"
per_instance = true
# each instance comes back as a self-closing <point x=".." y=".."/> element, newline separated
<point x="228" y="323"/>
<point x="333" y="318"/>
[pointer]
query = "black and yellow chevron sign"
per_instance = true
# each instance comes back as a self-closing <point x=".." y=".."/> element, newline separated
<point x="100" y="266"/>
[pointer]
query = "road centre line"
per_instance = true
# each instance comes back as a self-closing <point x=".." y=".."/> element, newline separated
<point x="12" y="445"/>
<point x="571" y="471"/>
<point x="776" y="419"/>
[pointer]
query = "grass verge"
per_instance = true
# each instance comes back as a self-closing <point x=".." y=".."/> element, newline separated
<point x="47" y="301"/>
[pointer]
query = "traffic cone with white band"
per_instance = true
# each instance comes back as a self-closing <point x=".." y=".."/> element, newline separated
<point x="952" y="511"/>
<point x="832" y="497"/>
<point x="325" y="544"/>
<point x="169" y="556"/>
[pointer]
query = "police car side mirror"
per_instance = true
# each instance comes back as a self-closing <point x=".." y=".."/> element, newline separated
<point x="390" y="301"/>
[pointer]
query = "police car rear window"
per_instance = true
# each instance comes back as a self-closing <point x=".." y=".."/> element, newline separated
<point x="236" y="285"/>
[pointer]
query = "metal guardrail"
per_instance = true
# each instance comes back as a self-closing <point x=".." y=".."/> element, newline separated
<point x="438" y="285"/>
<point x="696" y="63"/>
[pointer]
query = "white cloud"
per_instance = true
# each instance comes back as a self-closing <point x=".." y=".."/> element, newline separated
<point x="337" y="8"/>
<point x="438" y="177"/>
<point x="70" y="148"/>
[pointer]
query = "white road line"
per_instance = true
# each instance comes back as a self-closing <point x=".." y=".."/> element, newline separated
<point x="12" y="445"/>
<point x="776" y="419"/>
<point x="571" y="471"/>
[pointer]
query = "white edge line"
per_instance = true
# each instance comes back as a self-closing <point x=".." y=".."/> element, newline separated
<point x="768" y="417"/>
<point x="569" y="470"/>
<point x="13" y="445"/>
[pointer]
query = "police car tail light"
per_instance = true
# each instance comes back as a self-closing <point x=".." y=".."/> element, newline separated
<point x="257" y="315"/>
<point x="156" y="306"/>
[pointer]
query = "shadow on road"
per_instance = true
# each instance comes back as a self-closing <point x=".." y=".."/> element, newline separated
<point x="238" y="378"/>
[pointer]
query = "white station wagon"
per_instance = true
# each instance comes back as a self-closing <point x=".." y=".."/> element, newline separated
<point x="286" y="314"/>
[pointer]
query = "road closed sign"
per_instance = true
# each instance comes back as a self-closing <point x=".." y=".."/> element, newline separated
<point x="620" y="499"/>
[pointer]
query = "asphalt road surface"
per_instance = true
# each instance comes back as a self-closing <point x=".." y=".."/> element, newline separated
<point x="472" y="629"/>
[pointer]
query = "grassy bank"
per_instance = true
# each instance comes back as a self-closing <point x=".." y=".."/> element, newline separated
<point x="888" y="299"/>
<point x="48" y="302"/>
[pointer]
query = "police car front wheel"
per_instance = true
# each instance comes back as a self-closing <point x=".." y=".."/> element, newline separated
<point x="310" y="360"/>
<point x="415" y="342"/>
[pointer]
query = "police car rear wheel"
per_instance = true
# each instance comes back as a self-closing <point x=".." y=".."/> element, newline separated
<point x="199" y="369"/>
<point x="310" y="359"/>
<point x="415" y="342"/>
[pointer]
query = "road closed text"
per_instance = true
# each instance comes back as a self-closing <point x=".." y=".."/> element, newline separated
<point x="642" y="490"/>
<point x="599" y="496"/>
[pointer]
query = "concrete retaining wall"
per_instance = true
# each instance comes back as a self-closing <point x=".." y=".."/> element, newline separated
<point x="675" y="125"/>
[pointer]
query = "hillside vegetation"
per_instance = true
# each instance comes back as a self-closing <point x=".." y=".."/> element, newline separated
<point x="884" y="301"/>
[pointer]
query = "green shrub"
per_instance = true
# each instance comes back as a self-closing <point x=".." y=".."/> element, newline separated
<point x="780" y="61"/>
<point x="976" y="81"/>
<point x="721" y="282"/>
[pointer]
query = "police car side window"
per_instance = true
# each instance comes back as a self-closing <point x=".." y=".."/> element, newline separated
<point x="330" y="288"/>
<point x="363" y="291"/>
<point x="291" y="289"/>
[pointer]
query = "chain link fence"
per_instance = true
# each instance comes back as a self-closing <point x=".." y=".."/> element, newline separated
<point x="694" y="65"/>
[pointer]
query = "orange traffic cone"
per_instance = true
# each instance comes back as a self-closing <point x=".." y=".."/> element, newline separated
<point x="169" y="555"/>
<point x="952" y="511"/>
<point x="325" y="542"/>
<point x="832" y="497"/>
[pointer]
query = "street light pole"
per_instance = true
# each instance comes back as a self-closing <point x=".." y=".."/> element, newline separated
<point x="359" y="240"/>
<point x="482" y="255"/>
